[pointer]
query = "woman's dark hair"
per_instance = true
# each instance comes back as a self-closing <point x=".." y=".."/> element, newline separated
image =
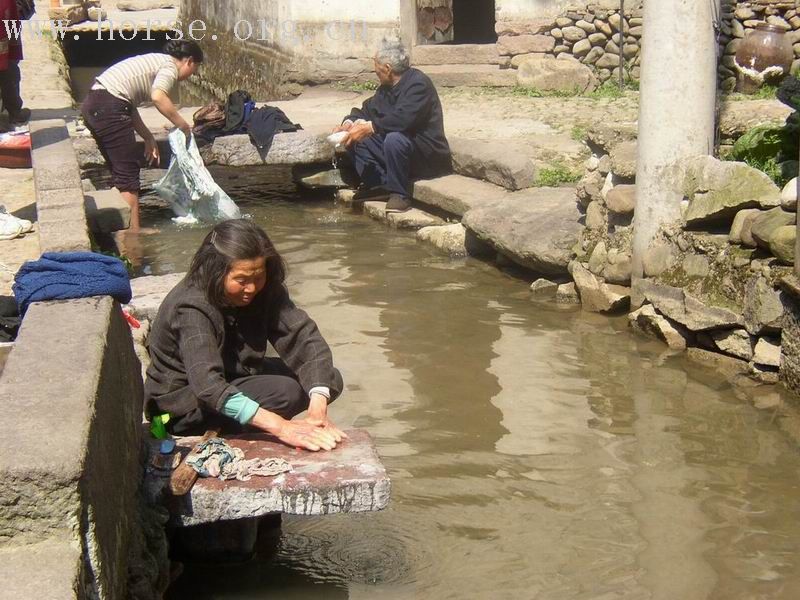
<point x="229" y="241"/>
<point x="181" y="49"/>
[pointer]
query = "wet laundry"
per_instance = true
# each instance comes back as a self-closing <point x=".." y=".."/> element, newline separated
<point x="217" y="458"/>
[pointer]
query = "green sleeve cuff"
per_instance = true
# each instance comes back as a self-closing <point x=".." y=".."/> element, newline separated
<point x="240" y="407"/>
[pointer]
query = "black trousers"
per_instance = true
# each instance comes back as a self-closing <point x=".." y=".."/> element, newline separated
<point x="276" y="389"/>
<point x="9" y="88"/>
<point x="111" y="124"/>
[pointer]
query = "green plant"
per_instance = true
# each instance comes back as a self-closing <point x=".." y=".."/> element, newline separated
<point x="770" y="149"/>
<point x="579" y="133"/>
<point x="358" y="86"/>
<point x="765" y="92"/>
<point x="556" y="175"/>
<point x="608" y="90"/>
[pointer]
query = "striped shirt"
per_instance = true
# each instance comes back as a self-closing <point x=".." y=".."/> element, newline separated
<point x="134" y="79"/>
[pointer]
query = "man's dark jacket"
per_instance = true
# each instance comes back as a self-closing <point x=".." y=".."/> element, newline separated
<point x="412" y="107"/>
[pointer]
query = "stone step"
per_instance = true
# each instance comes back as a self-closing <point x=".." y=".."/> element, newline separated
<point x="411" y="219"/>
<point x="106" y="211"/>
<point x="454" y="75"/>
<point x="455" y="54"/>
<point x="496" y="162"/>
<point x="456" y="194"/>
<point x="348" y="479"/>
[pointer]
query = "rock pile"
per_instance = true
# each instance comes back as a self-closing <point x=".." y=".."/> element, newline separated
<point x="713" y="280"/>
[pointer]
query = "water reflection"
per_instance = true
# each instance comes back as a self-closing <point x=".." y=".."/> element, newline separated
<point x="535" y="452"/>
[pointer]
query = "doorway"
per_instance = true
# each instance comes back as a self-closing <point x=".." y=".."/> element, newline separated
<point x="473" y="22"/>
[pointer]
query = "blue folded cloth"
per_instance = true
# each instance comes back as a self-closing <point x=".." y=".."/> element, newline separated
<point x="64" y="275"/>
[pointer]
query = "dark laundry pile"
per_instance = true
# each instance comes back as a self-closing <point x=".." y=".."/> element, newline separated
<point x="240" y="115"/>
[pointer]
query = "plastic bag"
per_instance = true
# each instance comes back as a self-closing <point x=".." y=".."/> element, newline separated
<point x="189" y="187"/>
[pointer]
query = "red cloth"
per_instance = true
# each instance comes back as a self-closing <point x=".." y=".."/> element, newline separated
<point x="10" y="49"/>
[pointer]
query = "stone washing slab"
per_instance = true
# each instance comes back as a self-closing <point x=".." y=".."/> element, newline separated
<point x="291" y="148"/>
<point x="535" y="228"/>
<point x="348" y="479"/>
<point x="457" y="194"/>
<point x="494" y="162"/>
<point x="149" y="292"/>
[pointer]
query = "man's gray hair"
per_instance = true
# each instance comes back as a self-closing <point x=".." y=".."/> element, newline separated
<point x="394" y="54"/>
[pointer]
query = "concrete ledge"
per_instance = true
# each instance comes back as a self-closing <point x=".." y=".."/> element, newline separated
<point x="50" y="570"/>
<point x="106" y="211"/>
<point x="149" y="293"/>
<point x="456" y="54"/>
<point x="73" y="371"/>
<point x="59" y="196"/>
<point x="348" y="479"/>
<point x="470" y="75"/>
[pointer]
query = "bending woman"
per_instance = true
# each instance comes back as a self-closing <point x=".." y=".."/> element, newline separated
<point x="209" y="339"/>
<point x="110" y="111"/>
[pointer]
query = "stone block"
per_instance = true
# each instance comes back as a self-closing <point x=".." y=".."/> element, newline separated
<point x="598" y="296"/>
<point x="471" y="76"/>
<point x="621" y="199"/>
<point x="741" y="230"/>
<point x="495" y="162"/>
<point x="567" y="293"/>
<point x="544" y="288"/>
<point x="717" y="190"/>
<point x="789" y="196"/>
<point x="736" y="342"/>
<point x="149" y="293"/>
<point x="767" y="224"/>
<point x="523" y="26"/>
<point x="648" y="321"/>
<point x="767" y="352"/>
<point x="349" y="479"/>
<point x="466" y="54"/>
<point x="510" y="45"/>
<point x="411" y="219"/>
<point x="782" y="244"/>
<point x="290" y="148"/>
<point x="535" y="228"/>
<point x="69" y="235"/>
<point x="106" y="211"/>
<point x="81" y="479"/>
<point x="556" y="75"/>
<point x="457" y="194"/>
<point x="448" y="239"/>
<point x="685" y="309"/>
<point x="41" y="571"/>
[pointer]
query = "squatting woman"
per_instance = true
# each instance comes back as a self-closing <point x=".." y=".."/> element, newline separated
<point x="208" y="345"/>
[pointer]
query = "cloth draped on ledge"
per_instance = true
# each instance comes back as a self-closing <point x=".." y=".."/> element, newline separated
<point x="66" y="275"/>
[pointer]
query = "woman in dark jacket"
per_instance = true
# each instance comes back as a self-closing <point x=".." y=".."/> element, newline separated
<point x="208" y="345"/>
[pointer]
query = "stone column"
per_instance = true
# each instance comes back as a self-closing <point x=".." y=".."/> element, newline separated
<point x="676" y="107"/>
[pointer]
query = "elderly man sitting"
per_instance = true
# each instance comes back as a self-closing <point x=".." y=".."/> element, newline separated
<point x="398" y="134"/>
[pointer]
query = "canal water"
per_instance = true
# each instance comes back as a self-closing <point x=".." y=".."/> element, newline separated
<point x="535" y="451"/>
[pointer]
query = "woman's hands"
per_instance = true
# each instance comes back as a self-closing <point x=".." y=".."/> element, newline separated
<point x="313" y="433"/>
<point x="151" y="152"/>
<point x="318" y="416"/>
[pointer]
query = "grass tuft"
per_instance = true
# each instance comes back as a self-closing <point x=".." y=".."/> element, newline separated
<point x="556" y="175"/>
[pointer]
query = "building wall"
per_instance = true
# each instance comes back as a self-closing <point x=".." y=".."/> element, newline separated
<point x="293" y="42"/>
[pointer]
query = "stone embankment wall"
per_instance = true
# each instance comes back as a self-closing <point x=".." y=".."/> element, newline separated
<point x="713" y="281"/>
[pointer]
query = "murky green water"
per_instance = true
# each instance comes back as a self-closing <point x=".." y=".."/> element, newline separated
<point x="535" y="451"/>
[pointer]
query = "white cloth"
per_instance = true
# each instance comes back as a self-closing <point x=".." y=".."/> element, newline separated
<point x="190" y="188"/>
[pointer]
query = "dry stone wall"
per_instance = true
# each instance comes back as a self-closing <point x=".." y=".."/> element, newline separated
<point x="595" y="36"/>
